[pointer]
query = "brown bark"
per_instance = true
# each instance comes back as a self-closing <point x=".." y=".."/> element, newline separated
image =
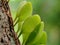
<point x="7" y="34"/>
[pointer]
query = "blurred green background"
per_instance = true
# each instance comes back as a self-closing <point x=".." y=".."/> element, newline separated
<point x="49" y="10"/>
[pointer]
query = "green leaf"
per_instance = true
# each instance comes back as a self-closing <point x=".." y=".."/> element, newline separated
<point x="41" y="44"/>
<point x="29" y="25"/>
<point x="37" y="44"/>
<point x="24" y="11"/>
<point x="19" y="9"/>
<point x="36" y="35"/>
<point x="33" y="35"/>
<point x="43" y="38"/>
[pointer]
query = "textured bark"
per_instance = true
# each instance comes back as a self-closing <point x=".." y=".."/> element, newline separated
<point x="7" y="34"/>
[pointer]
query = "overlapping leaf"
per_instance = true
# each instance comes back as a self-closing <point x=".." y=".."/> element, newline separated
<point x="23" y="12"/>
<point x="34" y="37"/>
<point x="29" y="26"/>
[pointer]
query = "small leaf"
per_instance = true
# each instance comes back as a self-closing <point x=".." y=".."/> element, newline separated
<point x="41" y="44"/>
<point x="37" y="34"/>
<point x="38" y="44"/>
<point x="29" y="25"/>
<point x="33" y="35"/>
<point x="19" y="9"/>
<point x="23" y="12"/>
<point x="43" y="38"/>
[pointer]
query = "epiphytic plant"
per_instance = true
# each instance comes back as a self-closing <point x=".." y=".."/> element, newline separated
<point x="29" y="26"/>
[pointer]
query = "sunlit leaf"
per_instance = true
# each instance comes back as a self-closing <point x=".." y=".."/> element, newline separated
<point x="43" y="39"/>
<point x="39" y="33"/>
<point x="36" y="34"/>
<point x="29" y="25"/>
<point x="33" y="35"/>
<point x="24" y="11"/>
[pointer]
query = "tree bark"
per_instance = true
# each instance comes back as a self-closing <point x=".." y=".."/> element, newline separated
<point x="7" y="34"/>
